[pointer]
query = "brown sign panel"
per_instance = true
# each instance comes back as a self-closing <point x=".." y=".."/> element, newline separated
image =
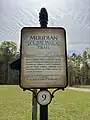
<point x="43" y="58"/>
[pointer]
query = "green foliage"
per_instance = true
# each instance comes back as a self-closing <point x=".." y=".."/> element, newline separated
<point x="8" y="51"/>
<point x="79" y="69"/>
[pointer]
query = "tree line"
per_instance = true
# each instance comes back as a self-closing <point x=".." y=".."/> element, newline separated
<point x="78" y="65"/>
<point x="79" y="68"/>
<point x="8" y="52"/>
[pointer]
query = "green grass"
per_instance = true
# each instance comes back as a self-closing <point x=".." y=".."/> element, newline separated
<point x="66" y="105"/>
<point x="82" y="86"/>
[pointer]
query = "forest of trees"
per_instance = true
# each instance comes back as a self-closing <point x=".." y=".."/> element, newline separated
<point x="78" y="65"/>
<point x="8" y="52"/>
<point x="79" y="68"/>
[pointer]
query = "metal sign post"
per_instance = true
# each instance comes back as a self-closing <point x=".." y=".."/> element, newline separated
<point x="43" y="57"/>
<point x="43" y="18"/>
<point x="34" y="106"/>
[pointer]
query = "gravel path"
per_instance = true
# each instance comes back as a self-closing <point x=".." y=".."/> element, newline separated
<point x="79" y="89"/>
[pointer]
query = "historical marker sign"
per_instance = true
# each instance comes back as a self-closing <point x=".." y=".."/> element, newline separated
<point x="43" y="58"/>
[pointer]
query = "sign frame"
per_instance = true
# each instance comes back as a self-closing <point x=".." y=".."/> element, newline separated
<point x="61" y="87"/>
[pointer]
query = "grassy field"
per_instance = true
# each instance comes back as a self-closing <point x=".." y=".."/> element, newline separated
<point x="67" y="105"/>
